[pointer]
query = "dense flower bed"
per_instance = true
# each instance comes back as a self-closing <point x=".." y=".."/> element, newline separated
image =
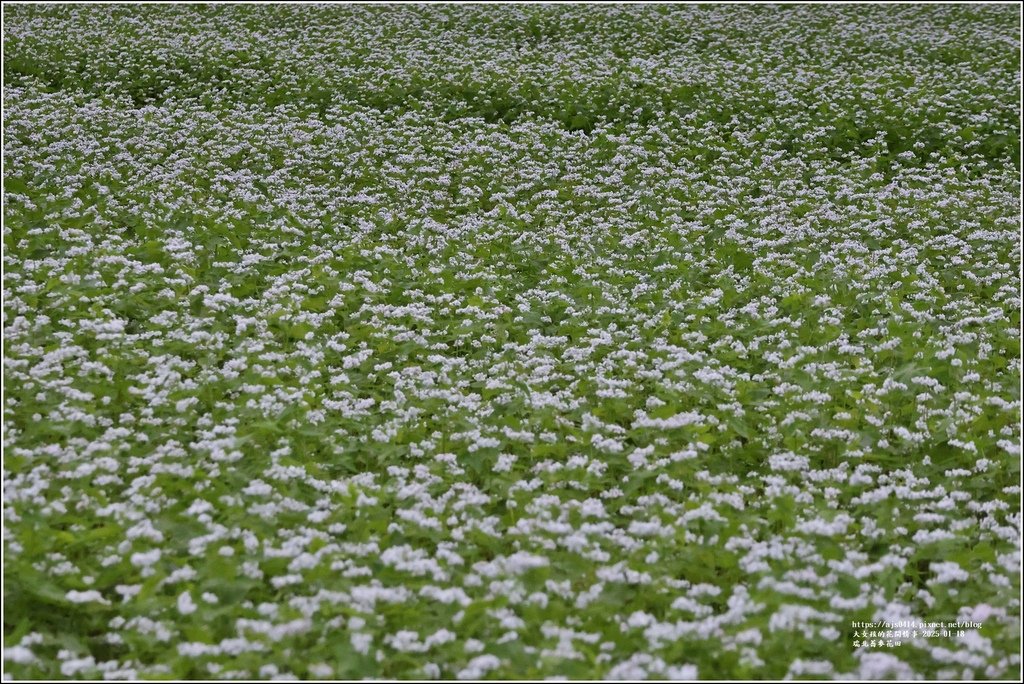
<point x="524" y="341"/>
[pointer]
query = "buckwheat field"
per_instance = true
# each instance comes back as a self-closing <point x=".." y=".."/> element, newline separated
<point x="503" y="342"/>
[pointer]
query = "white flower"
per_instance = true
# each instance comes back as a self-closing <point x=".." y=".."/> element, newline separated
<point x="186" y="606"/>
<point x="91" y="596"/>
